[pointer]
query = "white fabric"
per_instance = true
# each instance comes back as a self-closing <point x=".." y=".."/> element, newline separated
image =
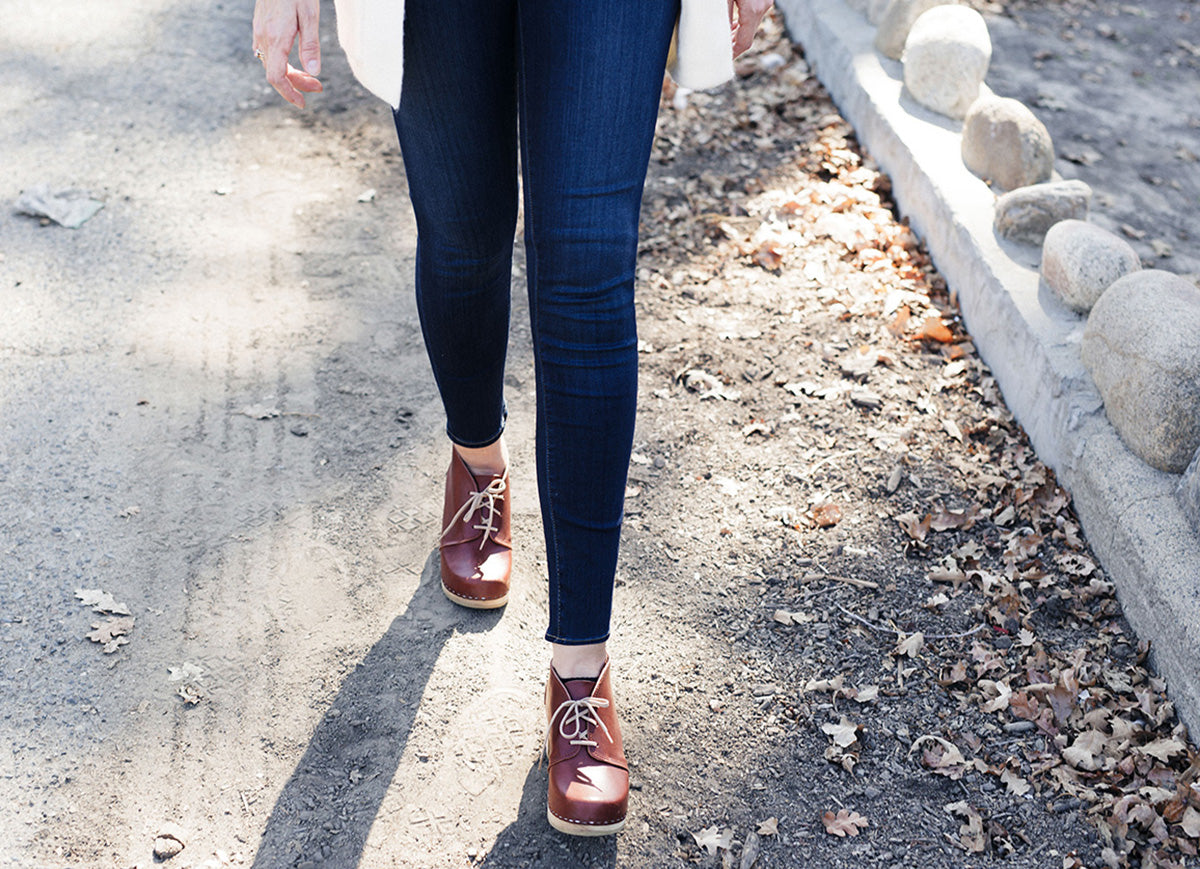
<point x="372" y="35"/>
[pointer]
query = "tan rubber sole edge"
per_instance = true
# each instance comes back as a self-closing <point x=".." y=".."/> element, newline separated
<point x="583" y="829"/>
<point x="471" y="603"/>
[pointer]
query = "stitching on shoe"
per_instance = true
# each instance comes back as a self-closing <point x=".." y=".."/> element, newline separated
<point x="589" y="823"/>
<point x="468" y="596"/>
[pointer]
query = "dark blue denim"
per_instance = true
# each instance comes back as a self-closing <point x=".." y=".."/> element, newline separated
<point x="580" y="81"/>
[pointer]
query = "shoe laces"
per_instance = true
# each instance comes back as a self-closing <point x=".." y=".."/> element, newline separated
<point x="578" y="718"/>
<point x="483" y="501"/>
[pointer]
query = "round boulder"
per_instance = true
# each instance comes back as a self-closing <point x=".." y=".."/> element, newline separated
<point x="1003" y="142"/>
<point x="1080" y="261"/>
<point x="1142" y="348"/>
<point x="897" y="20"/>
<point x="1027" y="213"/>
<point x="945" y="59"/>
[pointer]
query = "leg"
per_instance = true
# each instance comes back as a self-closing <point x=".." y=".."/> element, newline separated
<point x="590" y="76"/>
<point x="457" y="130"/>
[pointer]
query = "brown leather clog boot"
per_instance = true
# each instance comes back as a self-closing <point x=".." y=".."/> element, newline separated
<point x="476" y="543"/>
<point x="589" y="777"/>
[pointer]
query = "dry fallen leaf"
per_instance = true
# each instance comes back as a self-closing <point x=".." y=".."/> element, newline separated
<point x="1015" y="784"/>
<point x="972" y="839"/>
<point x="825" y="515"/>
<point x="111" y="633"/>
<point x="712" y="838"/>
<point x="101" y="601"/>
<point x="844" y="823"/>
<point x="844" y="733"/>
<point x="770" y="826"/>
<point x="910" y="645"/>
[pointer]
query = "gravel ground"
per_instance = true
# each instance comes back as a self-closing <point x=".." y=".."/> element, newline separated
<point x="851" y="600"/>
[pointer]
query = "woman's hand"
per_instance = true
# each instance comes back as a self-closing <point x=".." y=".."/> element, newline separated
<point x="276" y="25"/>
<point x="745" y="23"/>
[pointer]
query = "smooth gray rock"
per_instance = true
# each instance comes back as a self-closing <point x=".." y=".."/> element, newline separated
<point x="1004" y="142"/>
<point x="1142" y="348"/>
<point x="946" y="58"/>
<point x="897" y="20"/>
<point x="1027" y="213"/>
<point x="1189" y="491"/>
<point x="1080" y="261"/>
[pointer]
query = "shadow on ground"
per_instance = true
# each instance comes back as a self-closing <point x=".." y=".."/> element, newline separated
<point x="325" y="812"/>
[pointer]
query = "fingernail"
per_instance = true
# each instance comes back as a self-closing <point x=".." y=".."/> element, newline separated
<point x="312" y="67"/>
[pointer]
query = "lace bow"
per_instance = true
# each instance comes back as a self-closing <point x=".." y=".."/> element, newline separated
<point x="485" y="503"/>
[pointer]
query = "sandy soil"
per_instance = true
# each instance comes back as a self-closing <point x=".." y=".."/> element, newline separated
<point x="217" y="409"/>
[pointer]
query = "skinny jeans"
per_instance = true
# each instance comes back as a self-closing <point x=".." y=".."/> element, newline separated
<point x="574" y="85"/>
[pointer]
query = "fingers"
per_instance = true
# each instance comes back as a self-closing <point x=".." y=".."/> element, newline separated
<point x="277" y="23"/>
<point x="308" y="16"/>
<point x="279" y="74"/>
<point x="749" y="14"/>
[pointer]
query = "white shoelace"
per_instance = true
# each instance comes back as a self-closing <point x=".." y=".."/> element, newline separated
<point x="485" y="503"/>
<point x="580" y="715"/>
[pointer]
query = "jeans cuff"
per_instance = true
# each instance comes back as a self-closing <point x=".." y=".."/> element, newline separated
<point x="563" y="641"/>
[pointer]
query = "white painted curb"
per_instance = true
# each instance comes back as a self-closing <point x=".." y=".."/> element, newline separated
<point x="1130" y="512"/>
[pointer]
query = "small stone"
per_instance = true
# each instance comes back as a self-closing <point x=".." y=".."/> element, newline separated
<point x="1189" y="491"/>
<point x="1004" y="142"/>
<point x="169" y="841"/>
<point x="1142" y="348"/>
<point x="946" y="58"/>
<point x="1080" y="261"/>
<point x="1027" y="213"/>
<point x="896" y="22"/>
<point x="300" y="430"/>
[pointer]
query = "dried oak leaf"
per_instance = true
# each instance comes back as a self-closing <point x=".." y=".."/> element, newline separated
<point x="909" y="645"/>
<point x="101" y="601"/>
<point x="915" y="526"/>
<point x="1164" y="749"/>
<point x="712" y="838"/>
<point x="111" y="633"/>
<point x="844" y="733"/>
<point x="971" y="839"/>
<point x="844" y="823"/>
<point x="934" y="329"/>
<point x="1016" y="785"/>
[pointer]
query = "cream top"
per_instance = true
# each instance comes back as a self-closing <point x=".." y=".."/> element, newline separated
<point x="372" y="35"/>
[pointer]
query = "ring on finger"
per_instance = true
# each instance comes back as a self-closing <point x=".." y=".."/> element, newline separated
<point x="258" y="55"/>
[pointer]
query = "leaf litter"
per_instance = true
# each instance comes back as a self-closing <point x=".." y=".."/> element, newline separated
<point x="986" y="625"/>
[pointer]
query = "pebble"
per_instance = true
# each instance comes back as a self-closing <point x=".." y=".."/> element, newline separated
<point x="897" y="20"/>
<point x="169" y="841"/>
<point x="946" y="58"/>
<point x="1004" y="143"/>
<point x="1142" y="348"/>
<point x="1080" y="261"/>
<point x="1027" y="213"/>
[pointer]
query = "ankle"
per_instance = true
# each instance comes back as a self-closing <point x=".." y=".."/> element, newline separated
<point x="488" y="460"/>
<point x="578" y="662"/>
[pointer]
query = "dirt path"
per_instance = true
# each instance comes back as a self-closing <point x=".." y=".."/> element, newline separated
<point x="218" y="411"/>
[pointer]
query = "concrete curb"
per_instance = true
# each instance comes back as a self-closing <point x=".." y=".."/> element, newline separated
<point x="1131" y="513"/>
